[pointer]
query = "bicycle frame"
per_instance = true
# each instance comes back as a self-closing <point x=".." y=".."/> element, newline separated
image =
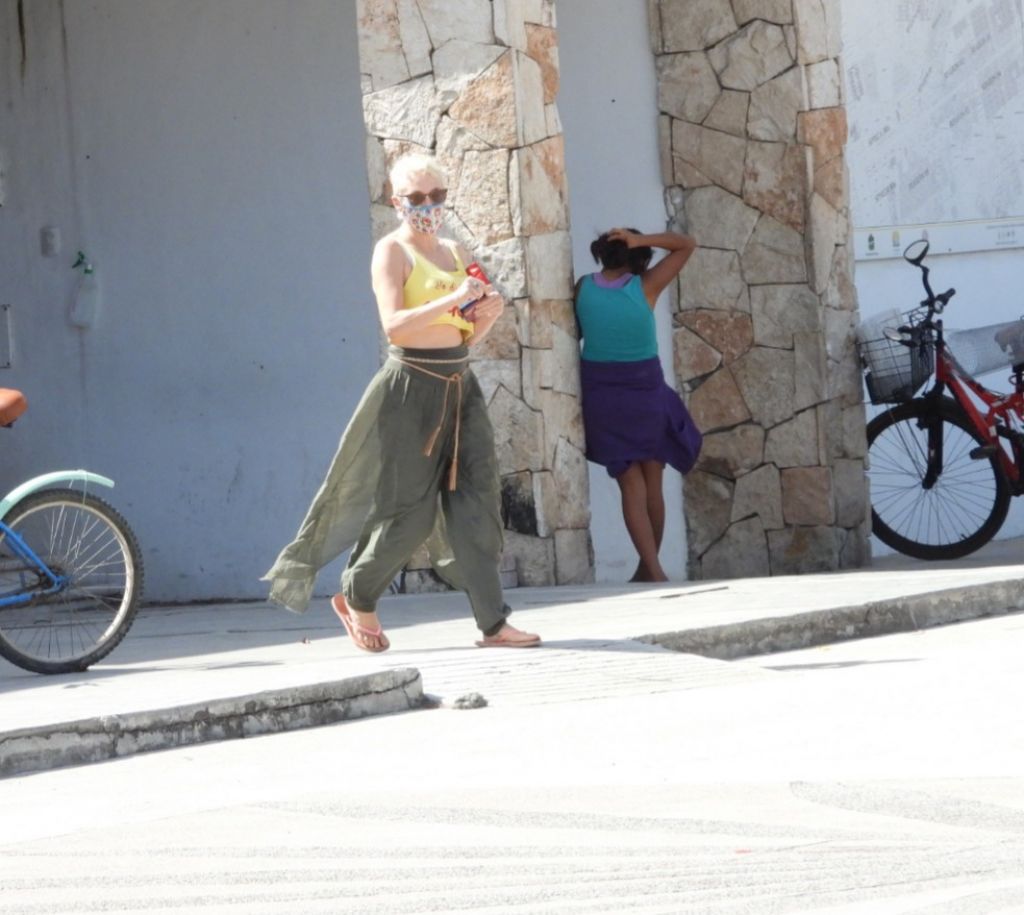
<point x="992" y="420"/>
<point x="55" y="582"/>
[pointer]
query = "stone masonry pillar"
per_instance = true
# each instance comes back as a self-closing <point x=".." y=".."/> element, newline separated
<point x="752" y="132"/>
<point x="474" y="82"/>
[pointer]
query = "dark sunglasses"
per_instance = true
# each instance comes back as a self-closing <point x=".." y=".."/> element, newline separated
<point x="418" y="198"/>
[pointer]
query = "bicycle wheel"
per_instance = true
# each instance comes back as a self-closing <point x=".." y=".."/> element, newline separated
<point x="86" y="542"/>
<point x="965" y="506"/>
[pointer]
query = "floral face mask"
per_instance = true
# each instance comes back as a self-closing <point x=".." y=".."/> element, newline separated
<point x="427" y="218"/>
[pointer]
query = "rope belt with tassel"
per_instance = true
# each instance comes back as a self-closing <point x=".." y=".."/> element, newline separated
<point x="456" y="379"/>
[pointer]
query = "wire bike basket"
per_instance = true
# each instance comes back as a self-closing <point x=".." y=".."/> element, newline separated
<point x="894" y="370"/>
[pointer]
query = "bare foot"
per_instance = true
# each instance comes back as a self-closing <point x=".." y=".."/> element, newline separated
<point x="509" y="637"/>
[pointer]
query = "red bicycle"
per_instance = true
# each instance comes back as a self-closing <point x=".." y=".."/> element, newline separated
<point x="944" y="462"/>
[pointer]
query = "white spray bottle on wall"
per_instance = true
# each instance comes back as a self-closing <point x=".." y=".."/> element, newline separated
<point x="86" y="299"/>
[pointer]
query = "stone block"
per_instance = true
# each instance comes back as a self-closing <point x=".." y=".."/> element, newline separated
<point x="825" y="130"/>
<point x="410" y="111"/>
<point x="563" y="419"/>
<point x="510" y="24"/>
<point x="801" y="550"/>
<point x="775" y="181"/>
<point x="487" y="106"/>
<point x="518" y="433"/>
<point x="552" y="121"/>
<point x="765" y="380"/>
<point x="832" y="183"/>
<point x="818" y="29"/>
<point x="539" y="192"/>
<point x="778" y="11"/>
<point x="854" y="431"/>
<point x="574" y="557"/>
<point x="470" y="20"/>
<point x="794" y="442"/>
<point x="730" y="113"/>
<point x="717" y="403"/>
<point x="549" y="265"/>
<point x="502" y="340"/>
<point x="733" y="453"/>
<point x="759" y="493"/>
<point x="537" y="376"/>
<point x="781" y="311"/>
<point x="572" y="487"/>
<point x="741" y="553"/>
<point x="774" y="254"/>
<point x="534" y="322"/>
<point x="716" y="156"/>
<point x="823" y="84"/>
<point x="828" y="229"/>
<point x="774" y="107"/>
<point x="718" y="219"/>
<point x="708" y="500"/>
<point x="687" y="86"/>
<point x="393" y="42"/>
<point x="851" y="493"/>
<point x="811" y="377"/>
<point x="565" y="363"/>
<point x="545" y="499"/>
<point x="712" y="279"/>
<point x="534" y="559"/>
<point x="482" y="196"/>
<point x="689" y="26"/>
<point x="807" y="495"/>
<point x="841" y="292"/>
<point x="505" y="264"/>
<point x="693" y="358"/>
<point x="855" y="549"/>
<point x="533" y="121"/>
<point x="751" y="57"/>
<point x="840" y="326"/>
<point x="494" y="373"/>
<point x="730" y="333"/>
<point x="542" y="46"/>
<point x="457" y="63"/>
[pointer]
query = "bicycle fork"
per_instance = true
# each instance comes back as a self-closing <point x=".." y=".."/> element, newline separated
<point x="932" y="424"/>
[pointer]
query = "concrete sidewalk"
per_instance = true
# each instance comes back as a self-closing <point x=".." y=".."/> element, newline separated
<point x="194" y="673"/>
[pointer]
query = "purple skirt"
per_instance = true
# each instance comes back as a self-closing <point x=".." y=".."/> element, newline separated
<point x="630" y="414"/>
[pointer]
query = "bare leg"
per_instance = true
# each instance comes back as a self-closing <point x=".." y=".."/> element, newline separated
<point x="633" y="487"/>
<point x="653" y="472"/>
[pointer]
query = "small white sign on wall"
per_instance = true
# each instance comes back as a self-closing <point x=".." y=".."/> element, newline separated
<point x="881" y="242"/>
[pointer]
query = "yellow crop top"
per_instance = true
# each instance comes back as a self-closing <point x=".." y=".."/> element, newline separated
<point x="427" y="282"/>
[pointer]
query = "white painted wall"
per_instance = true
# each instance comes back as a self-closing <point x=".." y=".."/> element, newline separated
<point x="988" y="283"/>
<point x="210" y="158"/>
<point x="608" y="105"/>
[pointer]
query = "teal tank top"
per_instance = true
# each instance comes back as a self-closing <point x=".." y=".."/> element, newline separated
<point x="617" y="325"/>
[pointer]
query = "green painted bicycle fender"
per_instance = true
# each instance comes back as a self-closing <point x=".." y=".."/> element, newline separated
<point x="49" y="479"/>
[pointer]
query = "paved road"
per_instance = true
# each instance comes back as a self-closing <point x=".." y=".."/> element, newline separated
<point x="872" y="777"/>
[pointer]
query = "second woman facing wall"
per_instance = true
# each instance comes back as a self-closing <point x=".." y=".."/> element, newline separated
<point x="635" y="423"/>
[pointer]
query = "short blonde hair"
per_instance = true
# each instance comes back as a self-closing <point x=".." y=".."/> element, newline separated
<point x="412" y="165"/>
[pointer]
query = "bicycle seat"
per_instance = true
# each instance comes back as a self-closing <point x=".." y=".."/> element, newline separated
<point x="12" y="405"/>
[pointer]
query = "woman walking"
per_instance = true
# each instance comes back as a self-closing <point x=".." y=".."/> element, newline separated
<point x="634" y="422"/>
<point x="418" y="455"/>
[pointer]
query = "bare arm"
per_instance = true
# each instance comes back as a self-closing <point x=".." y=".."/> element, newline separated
<point x="388" y="272"/>
<point x="657" y="278"/>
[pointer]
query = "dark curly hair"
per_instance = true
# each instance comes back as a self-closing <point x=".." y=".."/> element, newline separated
<point x="614" y="253"/>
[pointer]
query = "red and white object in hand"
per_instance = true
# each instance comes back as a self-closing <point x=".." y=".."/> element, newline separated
<point x="476" y="271"/>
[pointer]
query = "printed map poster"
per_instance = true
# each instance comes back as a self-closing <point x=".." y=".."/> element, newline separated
<point x="935" y="101"/>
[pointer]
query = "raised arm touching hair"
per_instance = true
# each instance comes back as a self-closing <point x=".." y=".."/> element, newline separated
<point x="657" y="278"/>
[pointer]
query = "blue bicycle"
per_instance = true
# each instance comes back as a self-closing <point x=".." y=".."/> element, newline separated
<point x="70" y="569"/>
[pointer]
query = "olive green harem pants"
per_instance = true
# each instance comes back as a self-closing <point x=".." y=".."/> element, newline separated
<point x="420" y="428"/>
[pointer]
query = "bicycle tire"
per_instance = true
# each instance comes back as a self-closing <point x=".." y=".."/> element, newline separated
<point x="85" y="539"/>
<point x="965" y="507"/>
